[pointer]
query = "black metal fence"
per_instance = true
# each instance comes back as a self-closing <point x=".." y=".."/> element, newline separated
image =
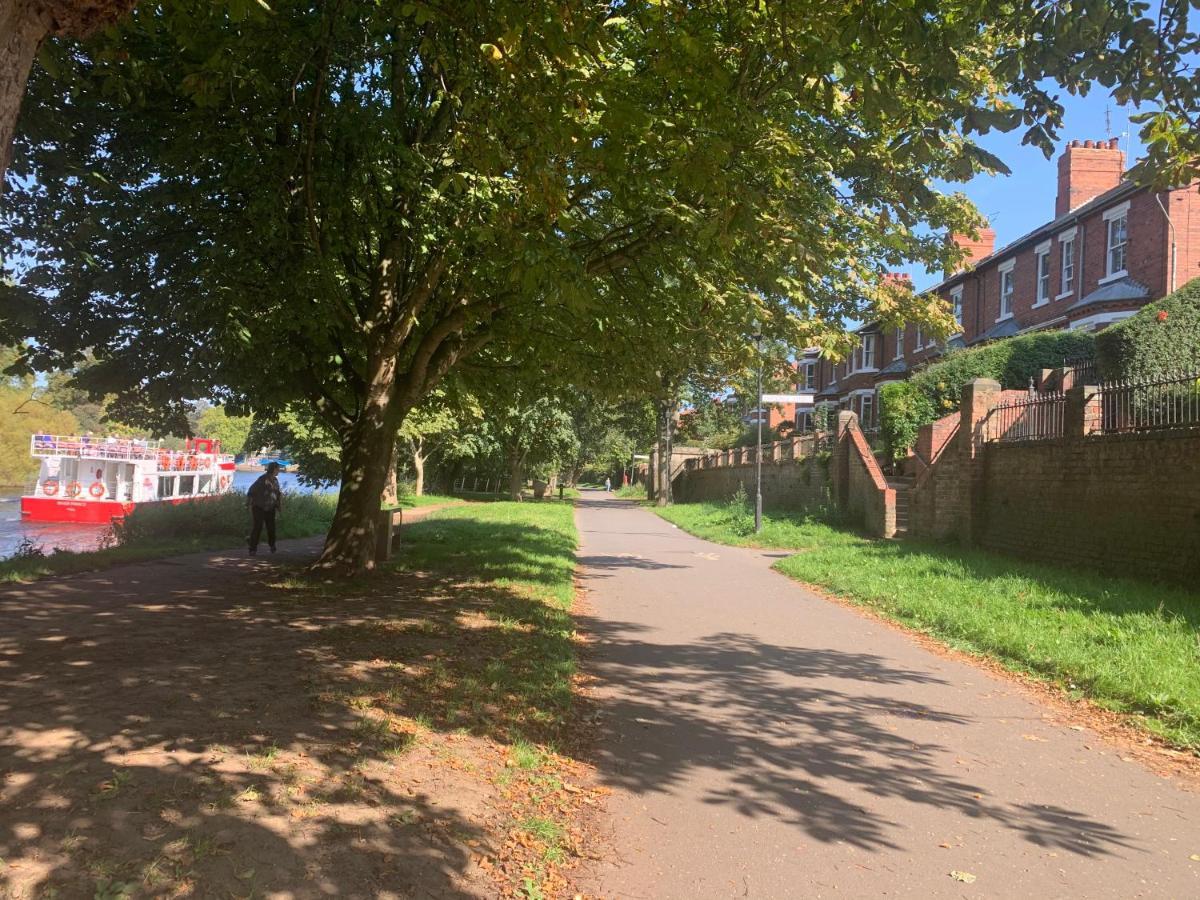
<point x="1034" y="418"/>
<point x="1171" y="401"/>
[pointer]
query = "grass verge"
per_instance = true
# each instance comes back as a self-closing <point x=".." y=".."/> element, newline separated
<point x="631" y="492"/>
<point x="1128" y="645"/>
<point x="495" y="660"/>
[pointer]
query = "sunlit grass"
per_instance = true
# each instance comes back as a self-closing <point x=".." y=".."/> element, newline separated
<point x="1130" y="645"/>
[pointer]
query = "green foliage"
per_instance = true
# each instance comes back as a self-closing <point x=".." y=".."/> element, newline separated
<point x="21" y="416"/>
<point x="220" y="521"/>
<point x="631" y="491"/>
<point x="903" y="409"/>
<point x="346" y="204"/>
<point x="231" y="431"/>
<point x="1012" y="362"/>
<point x="1163" y="338"/>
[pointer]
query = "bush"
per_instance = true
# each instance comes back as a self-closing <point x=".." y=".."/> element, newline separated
<point x="903" y="409"/>
<point x="1012" y="362"/>
<point x="1162" y="338"/>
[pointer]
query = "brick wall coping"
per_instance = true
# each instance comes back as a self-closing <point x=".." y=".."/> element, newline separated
<point x="1117" y="438"/>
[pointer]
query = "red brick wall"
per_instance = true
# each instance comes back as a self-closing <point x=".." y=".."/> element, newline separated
<point x="1185" y="214"/>
<point x="1126" y="504"/>
<point x="800" y="485"/>
<point x="937" y="500"/>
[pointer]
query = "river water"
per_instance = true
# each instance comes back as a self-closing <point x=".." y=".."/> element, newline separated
<point x="86" y="537"/>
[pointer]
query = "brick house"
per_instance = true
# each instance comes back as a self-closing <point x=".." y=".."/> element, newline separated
<point x="1111" y="248"/>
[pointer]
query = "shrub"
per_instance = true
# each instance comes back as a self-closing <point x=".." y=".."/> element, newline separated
<point x="1162" y="338"/>
<point x="1012" y="362"/>
<point x="903" y="408"/>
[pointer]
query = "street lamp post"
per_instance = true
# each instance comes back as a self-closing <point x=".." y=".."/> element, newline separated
<point x="758" y="452"/>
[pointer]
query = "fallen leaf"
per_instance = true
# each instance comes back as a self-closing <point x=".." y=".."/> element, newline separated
<point x="946" y="844"/>
<point x="1195" y="857"/>
<point x="964" y="877"/>
<point x="1034" y="737"/>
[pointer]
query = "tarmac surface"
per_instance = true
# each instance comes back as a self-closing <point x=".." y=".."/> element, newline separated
<point x="764" y="742"/>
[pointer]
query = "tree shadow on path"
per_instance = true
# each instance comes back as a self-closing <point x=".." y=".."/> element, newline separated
<point x="792" y="734"/>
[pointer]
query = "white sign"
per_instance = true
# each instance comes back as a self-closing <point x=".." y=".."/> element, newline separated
<point x="788" y="398"/>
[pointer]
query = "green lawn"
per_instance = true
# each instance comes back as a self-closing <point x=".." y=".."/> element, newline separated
<point x="1130" y="645"/>
<point x="525" y="555"/>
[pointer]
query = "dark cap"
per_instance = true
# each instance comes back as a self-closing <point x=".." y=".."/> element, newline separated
<point x="272" y="468"/>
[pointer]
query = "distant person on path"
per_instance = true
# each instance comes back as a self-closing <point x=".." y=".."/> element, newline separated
<point x="264" y="498"/>
<point x="608" y="482"/>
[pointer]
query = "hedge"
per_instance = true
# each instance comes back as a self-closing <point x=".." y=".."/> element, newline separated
<point x="1161" y="338"/>
<point x="1012" y="362"/>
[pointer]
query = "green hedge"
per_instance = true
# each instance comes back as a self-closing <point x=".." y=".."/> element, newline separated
<point x="903" y="408"/>
<point x="1012" y="362"/>
<point x="1162" y="338"/>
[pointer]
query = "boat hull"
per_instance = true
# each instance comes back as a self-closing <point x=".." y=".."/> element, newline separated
<point x="84" y="512"/>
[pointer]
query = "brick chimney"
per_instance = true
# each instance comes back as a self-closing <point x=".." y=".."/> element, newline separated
<point x="976" y="249"/>
<point x="1085" y="170"/>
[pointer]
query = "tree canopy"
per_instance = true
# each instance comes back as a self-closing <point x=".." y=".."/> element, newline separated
<point x="339" y="205"/>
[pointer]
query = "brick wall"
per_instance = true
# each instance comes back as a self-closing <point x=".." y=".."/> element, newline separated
<point x="1185" y="215"/>
<point x="800" y="485"/>
<point x="1126" y="504"/>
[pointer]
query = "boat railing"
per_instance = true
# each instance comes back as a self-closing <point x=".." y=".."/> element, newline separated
<point x="46" y="445"/>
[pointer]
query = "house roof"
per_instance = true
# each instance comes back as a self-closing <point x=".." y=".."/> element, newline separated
<point x="1121" y="190"/>
<point x="1006" y="328"/>
<point x="895" y="367"/>
<point x="1113" y="292"/>
<point x="956" y="343"/>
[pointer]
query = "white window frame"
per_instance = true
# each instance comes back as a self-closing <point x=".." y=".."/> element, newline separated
<point x="1066" y="249"/>
<point x="867" y="353"/>
<point x="808" y="378"/>
<point x="1119" y="213"/>
<point x="956" y="304"/>
<point x="920" y="344"/>
<point x="899" y="343"/>
<point x="863" y="400"/>
<point x="1007" y="273"/>
<point x="1042" y="271"/>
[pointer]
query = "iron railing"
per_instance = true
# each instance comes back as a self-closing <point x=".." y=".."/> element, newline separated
<point x="1082" y="369"/>
<point x="1171" y="401"/>
<point x="1037" y="417"/>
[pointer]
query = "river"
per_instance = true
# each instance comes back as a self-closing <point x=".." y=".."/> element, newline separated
<point x="86" y="537"/>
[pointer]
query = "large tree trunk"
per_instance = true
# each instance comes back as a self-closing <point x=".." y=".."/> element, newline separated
<point x="368" y="452"/>
<point x="665" y="435"/>
<point x="516" y="475"/>
<point x="24" y="24"/>
<point x="418" y="461"/>
<point x="23" y="27"/>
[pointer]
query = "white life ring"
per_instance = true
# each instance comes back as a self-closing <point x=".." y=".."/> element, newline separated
<point x="97" y="490"/>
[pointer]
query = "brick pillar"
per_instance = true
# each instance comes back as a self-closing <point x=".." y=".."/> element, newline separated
<point x="1084" y="413"/>
<point x="979" y="398"/>
<point x="839" y="465"/>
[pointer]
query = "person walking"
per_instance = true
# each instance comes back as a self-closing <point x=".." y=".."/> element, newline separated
<point x="264" y="499"/>
<point x="608" y="482"/>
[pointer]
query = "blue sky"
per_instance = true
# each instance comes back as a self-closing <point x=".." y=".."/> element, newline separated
<point x="1018" y="203"/>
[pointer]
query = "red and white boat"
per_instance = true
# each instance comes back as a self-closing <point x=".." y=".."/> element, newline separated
<point x="95" y="480"/>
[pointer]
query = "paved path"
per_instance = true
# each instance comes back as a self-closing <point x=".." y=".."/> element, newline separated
<point x="764" y="742"/>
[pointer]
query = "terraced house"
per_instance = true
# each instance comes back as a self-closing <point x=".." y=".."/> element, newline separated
<point x="1111" y="248"/>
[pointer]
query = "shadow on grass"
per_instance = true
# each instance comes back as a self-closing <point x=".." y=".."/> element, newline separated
<point x="234" y="730"/>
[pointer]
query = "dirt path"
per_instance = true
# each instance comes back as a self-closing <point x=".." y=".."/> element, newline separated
<point x="763" y="742"/>
<point x="197" y="726"/>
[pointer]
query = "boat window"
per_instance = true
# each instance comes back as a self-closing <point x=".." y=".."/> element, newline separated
<point x="187" y="484"/>
<point x="206" y="484"/>
<point x="166" y="486"/>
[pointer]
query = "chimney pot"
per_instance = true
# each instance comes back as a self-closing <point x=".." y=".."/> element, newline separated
<point x="1113" y="144"/>
<point x="1089" y="143"/>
